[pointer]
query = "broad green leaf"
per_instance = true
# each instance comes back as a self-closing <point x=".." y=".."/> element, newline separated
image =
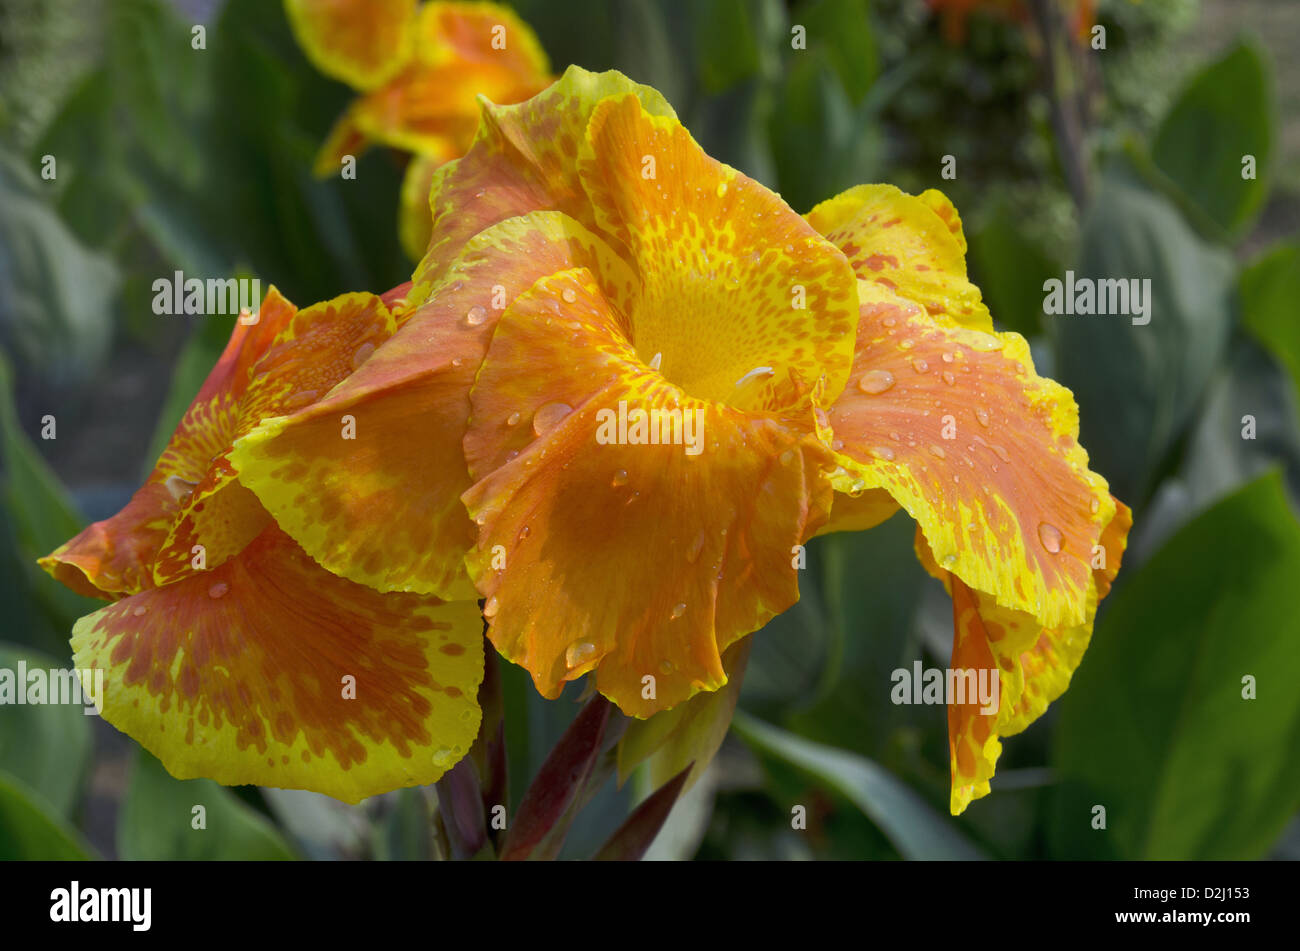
<point x="45" y="745"/>
<point x="916" y="830"/>
<point x="840" y="31"/>
<point x="1224" y="115"/>
<point x="159" y="815"/>
<point x="1182" y="720"/>
<point x="31" y="830"/>
<point x="56" y="296"/>
<point x="1010" y="270"/>
<point x="1270" y="304"/>
<point x="405" y="833"/>
<point x="1138" y="384"/>
<point x="726" y="43"/>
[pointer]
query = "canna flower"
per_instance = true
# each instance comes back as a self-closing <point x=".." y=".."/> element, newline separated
<point x="587" y="262"/>
<point x="227" y="652"/>
<point x="419" y="70"/>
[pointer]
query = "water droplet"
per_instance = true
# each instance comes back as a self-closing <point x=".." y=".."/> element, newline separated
<point x="620" y="477"/>
<point x="178" y="487"/>
<point x="666" y="668"/>
<point x="876" y="381"/>
<point x="949" y="560"/>
<point x="491" y="607"/>
<point x="569" y="295"/>
<point x="656" y="361"/>
<point x="218" y="590"/>
<point x="1094" y="505"/>
<point x="884" y="452"/>
<point x="693" y="553"/>
<point x="937" y="452"/>
<point x="906" y="345"/>
<point x="678" y="610"/>
<point x="475" y="315"/>
<point x="549" y="415"/>
<point x="513" y="419"/>
<point x="525" y="532"/>
<point x="442" y="757"/>
<point x="949" y="378"/>
<point x="919" y="365"/>
<point x="984" y="343"/>
<point x="1050" y="536"/>
<point x="889" y="321"/>
<point x="362" y="354"/>
<point x="140" y="611"/>
<point x="1001" y="453"/>
<point x="456" y="361"/>
<point x="983" y="416"/>
<point x="578" y="652"/>
<point x="947" y="357"/>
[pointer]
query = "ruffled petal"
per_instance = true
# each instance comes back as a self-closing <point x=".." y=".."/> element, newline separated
<point x="523" y="159"/>
<point x="908" y="244"/>
<point x="1034" y="663"/>
<point x="269" y="670"/>
<point x="733" y="282"/>
<point x="569" y="520"/>
<point x="980" y="450"/>
<point x="384" y="508"/>
<point x="361" y="42"/>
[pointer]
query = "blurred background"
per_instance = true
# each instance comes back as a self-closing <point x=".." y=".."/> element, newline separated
<point x="1123" y="161"/>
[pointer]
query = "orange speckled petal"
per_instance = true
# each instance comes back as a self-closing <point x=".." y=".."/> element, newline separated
<point x="1034" y="663"/>
<point x="909" y="244"/>
<point x="479" y="33"/>
<point x="633" y="559"/>
<point x="242" y="675"/>
<point x="361" y="42"/>
<point x="384" y="508"/>
<point x="524" y="158"/>
<point x="979" y="449"/>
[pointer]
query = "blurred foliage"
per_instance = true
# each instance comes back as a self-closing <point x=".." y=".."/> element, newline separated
<point x="175" y="158"/>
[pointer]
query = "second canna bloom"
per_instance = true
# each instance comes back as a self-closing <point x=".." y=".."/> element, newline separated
<point x="630" y="382"/>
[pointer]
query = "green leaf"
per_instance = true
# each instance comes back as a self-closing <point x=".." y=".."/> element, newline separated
<point x="55" y="300"/>
<point x="31" y="830"/>
<point x="1010" y="270"/>
<point x="726" y="43"/>
<point x="1138" y="385"/>
<point x="159" y="813"/>
<point x="1270" y="290"/>
<point x="916" y="830"/>
<point x="840" y="32"/>
<point x="1225" y="113"/>
<point x="46" y="745"/>
<point x="1156" y="727"/>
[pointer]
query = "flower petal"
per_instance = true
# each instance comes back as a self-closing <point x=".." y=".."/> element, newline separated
<point x="414" y="222"/>
<point x="1034" y="663"/>
<point x="577" y="519"/>
<point x="911" y="245"/>
<point x="384" y="509"/>
<point x="241" y="675"/>
<point x="361" y="42"/>
<point x="731" y="279"/>
<point x="524" y="159"/>
<point x="981" y="451"/>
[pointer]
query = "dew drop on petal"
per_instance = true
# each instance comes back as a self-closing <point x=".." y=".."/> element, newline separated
<point x="656" y="361"/>
<point x="491" y="607"/>
<point x="569" y="295"/>
<point x="475" y="315"/>
<point x="513" y="419"/>
<point x="218" y="590"/>
<point x="983" y="416"/>
<point x="1094" y="506"/>
<point x="620" y="477"/>
<point x="178" y="488"/>
<point x="666" y="667"/>
<point x="919" y="365"/>
<point x="884" y="452"/>
<point x="876" y="381"/>
<point x="442" y="757"/>
<point x="678" y="610"/>
<point x="1050" y="536"/>
<point x="579" y="652"/>
<point x="937" y="452"/>
<point x="140" y="611"/>
<point x="549" y="415"/>
<point x="949" y="377"/>
<point x="721" y="189"/>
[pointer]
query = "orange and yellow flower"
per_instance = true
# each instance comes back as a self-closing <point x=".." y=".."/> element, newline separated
<point x="227" y="651"/>
<point x="419" y="70"/>
<point x="588" y="260"/>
